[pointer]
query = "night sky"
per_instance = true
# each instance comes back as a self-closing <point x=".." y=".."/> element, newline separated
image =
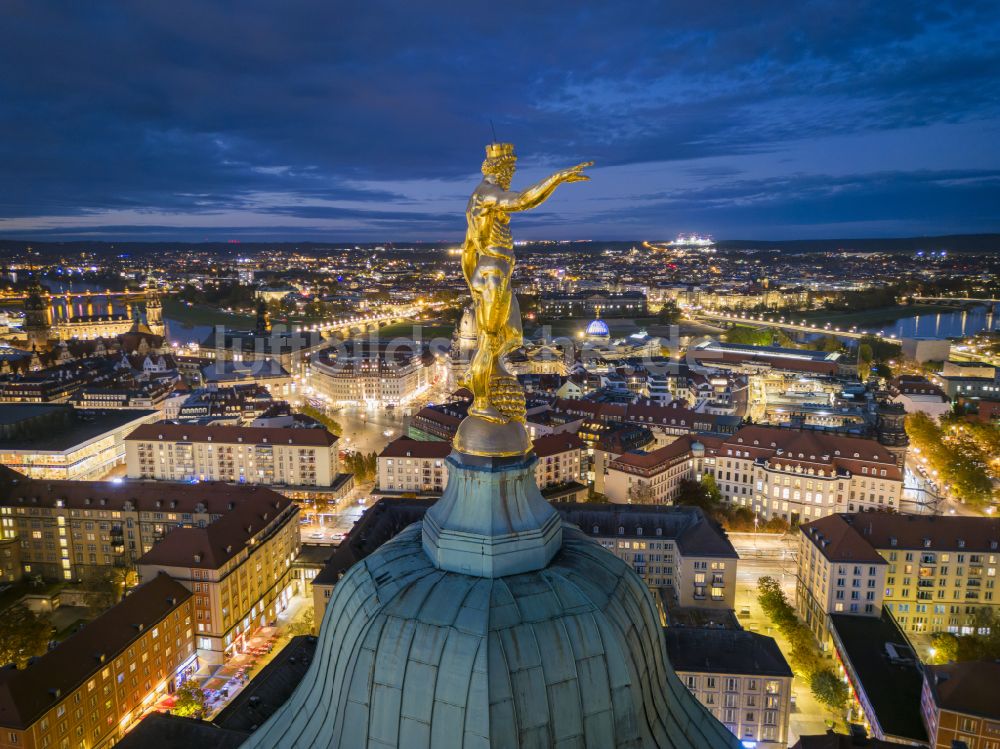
<point x="337" y="120"/>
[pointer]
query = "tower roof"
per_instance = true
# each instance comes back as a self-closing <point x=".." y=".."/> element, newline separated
<point x="412" y="655"/>
<point x="598" y="329"/>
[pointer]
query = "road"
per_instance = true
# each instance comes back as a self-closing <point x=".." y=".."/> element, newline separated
<point x="775" y="555"/>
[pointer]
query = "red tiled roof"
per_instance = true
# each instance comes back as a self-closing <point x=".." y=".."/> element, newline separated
<point x="662" y="456"/>
<point x="218" y="542"/>
<point x="16" y="490"/>
<point x="944" y="532"/>
<point x="968" y="688"/>
<point x="405" y="447"/>
<point x="553" y="444"/>
<point x="839" y="540"/>
<point x="232" y="434"/>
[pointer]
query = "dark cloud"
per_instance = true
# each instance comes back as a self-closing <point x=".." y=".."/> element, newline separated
<point x="326" y="112"/>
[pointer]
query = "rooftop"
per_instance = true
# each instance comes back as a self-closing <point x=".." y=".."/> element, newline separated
<point x="890" y="530"/>
<point x="213" y="498"/>
<point x="724" y="651"/>
<point x="215" y="544"/>
<point x="306" y="437"/>
<point x="165" y="731"/>
<point x="839" y="541"/>
<point x="958" y="687"/>
<point x="80" y="426"/>
<point x="890" y="683"/>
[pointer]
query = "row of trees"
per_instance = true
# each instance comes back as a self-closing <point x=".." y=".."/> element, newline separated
<point x="364" y="467"/>
<point x="751" y="336"/>
<point x="806" y="660"/>
<point x="328" y="421"/>
<point x="706" y="495"/>
<point x="959" y="452"/>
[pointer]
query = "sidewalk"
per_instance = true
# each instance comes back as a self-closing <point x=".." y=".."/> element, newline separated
<point x="221" y="683"/>
<point x="808" y="716"/>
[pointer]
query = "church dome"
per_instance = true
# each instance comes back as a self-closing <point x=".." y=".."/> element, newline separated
<point x="413" y="655"/>
<point x="598" y="329"/>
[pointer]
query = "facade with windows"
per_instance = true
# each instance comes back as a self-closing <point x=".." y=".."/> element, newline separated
<point x="676" y="549"/>
<point x="741" y="677"/>
<point x="371" y="376"/>
<point x="272" y="456"/>
<point x="957" y="709"/>
<point x="79" y="530"/>
<point x="238" y="567"/>
<point x="411" y="466"/>
<point x="838" y="573"/>
<point x="932" y="574"/>
<point x="792" y="474"/>
<point x="91" y="688"/>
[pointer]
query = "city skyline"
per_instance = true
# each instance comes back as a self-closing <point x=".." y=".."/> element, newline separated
<point x="193" y="124"/>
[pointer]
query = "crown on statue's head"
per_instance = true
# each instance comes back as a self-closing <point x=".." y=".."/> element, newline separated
<point x="500" y="151"/>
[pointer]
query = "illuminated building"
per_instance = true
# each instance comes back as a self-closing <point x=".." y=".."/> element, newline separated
<point x="88" y="691"/>
<point x="54" y="441"/>
<point x="271" y="456"/>
<point x="740" y="676"/>
<point x="376" y="376"/>
<point x="239" y="568"/>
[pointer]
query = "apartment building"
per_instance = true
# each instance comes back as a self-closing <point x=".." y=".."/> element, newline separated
<point x="941" y="569"/>
<point x="375" y="376"/>
<point x="238" y="567"/>
<point x="938" y="570"/>
<point x="741" y="677"/>
<point x="675" y="548"/>
<point x="650" y="477"/>
<point x="959" y="705"/>
<point x="77" y="530"/>
<point x="793" y="474"/>
<point x="90" y="689"/>
<point x="271" y="456"/>
<point x="411" y="466"/>
<point x="801" y="474"/>
<point x="838" y="573"/>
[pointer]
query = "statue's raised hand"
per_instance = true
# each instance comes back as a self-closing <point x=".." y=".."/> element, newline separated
<point x="575" y="174"/>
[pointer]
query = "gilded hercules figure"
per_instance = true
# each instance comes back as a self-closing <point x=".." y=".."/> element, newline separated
<point x="488" y="262"/>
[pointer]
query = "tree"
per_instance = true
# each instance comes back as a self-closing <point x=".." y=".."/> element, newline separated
<point x="190" y="700"/>
<point x="828" y="688"/>
<point x="944" y="648"/>
<point x="770" y="596"/>
<point x="669" y="313"/>
<point x="23" y="634"/>
<point x="704" y="494"/>
<point x="641" y="494"/>
<point x="865" y="356"/>
<point x="302" y="625"/>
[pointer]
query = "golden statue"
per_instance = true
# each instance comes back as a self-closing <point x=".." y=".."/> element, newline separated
<point x="488" y="263"/>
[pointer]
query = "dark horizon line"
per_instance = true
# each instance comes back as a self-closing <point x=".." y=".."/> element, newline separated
<point x="235" y="243"/>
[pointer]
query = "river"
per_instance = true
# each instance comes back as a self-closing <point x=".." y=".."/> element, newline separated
<point x="945" y="324"/>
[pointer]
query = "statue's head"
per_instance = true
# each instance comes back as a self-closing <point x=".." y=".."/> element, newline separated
<point x="499" y="163"/>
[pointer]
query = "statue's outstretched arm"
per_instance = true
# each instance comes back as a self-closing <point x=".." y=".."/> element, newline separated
<point x="539" y="192"/>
